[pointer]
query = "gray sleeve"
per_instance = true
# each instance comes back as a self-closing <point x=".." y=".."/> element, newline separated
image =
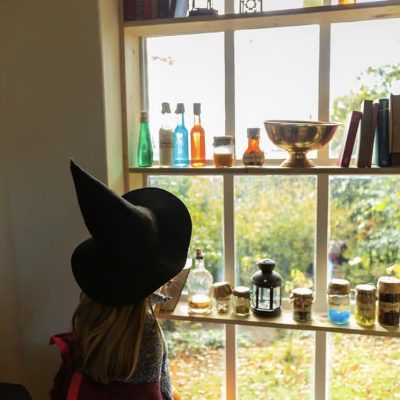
<point x="165" y="381"/>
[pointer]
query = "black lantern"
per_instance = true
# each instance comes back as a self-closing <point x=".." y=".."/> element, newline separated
<point x="266" y="291"/>
<point x="202" y="7"/>
<point x="250" y="6"/>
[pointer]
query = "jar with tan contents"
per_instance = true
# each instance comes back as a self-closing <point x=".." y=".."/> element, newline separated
<point x="365" y="308"/>
<point x="302" y="299"/>
<point x="223" y="151"/>
<point x="222" y="292"/>
<point x="241" y="301"/>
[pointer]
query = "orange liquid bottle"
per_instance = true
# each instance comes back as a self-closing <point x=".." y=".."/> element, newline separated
<point x="253" y="154"/>
<point x="197" y="139"/>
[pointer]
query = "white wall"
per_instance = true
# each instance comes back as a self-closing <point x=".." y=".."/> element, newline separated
<point x="52" y="107"/>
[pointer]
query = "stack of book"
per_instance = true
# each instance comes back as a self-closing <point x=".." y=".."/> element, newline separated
<point x="148" y="9"/>
<point x="378" y="141"/>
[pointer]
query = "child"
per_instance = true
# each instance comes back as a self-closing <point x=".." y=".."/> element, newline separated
<point x="116" y="349"/>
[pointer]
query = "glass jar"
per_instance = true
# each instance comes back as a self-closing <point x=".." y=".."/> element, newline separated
<point x="339" y="301"/>
<point x="222" y="292"/>
<point x="241" y="301"/>
<point x="389" y="301"/>
<point x="302" y="299"/>
<point x="223" y="151"/>
<point x="365" y="308"/>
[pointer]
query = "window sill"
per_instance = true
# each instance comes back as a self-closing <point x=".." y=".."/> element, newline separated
<point x="319" y="323"/>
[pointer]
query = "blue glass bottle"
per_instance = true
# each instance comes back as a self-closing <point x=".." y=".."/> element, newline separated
<point x="180" y="139"/>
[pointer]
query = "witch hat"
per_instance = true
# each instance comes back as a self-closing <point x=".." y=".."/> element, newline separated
<point x="139" y="241"/>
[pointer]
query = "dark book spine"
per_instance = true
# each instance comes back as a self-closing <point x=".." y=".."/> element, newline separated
<point x="365" y="132"/>
<point x="129" y="10"/>
<point x="163" y="8"/>
<point x="349" y="137"/>
<point x="394" y="123"/>
<point x="382" y="134"/>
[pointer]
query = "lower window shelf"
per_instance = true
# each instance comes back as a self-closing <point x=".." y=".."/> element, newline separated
<point x="319" y="322"/>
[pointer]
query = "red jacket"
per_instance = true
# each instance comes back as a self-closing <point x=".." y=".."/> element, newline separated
<point x="70" y="384"/>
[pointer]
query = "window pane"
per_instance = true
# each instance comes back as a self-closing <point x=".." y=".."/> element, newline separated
<point x="275" y="218"/>
<point x="365" y="217"/>
<point x="369" y="74"/>
<point x="364" y="367"/>
<point x="274" y="362"/>
<point x="196" y="359"/>
<point x="203" y="197"/>
<point x="180" y="71"/>
<point x="276" y="77"/>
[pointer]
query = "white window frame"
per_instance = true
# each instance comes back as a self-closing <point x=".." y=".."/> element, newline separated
<point x="138" y="79"/>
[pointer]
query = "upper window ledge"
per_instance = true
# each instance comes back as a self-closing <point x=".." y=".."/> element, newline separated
<point x="266" y="170"/>
<point x="278" y="18"/>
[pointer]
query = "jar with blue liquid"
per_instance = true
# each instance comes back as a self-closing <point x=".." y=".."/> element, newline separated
<point x="339" y="301"/>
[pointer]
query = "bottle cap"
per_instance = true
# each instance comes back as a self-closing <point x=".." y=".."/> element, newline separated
<point x="221" y="290"/>
<point x="339" y="286"/>
<point x="180" y="108"/>
<point x="389" y="285"/>
<point x="165" y="108"/>
<point x="196" y="108"/>
<point x="222" y="140"/>
<point x="144" y="117"/>
<point x="303" y="293"/>
<point x="366" y="288"/>
<point x="253" y="132"/>
<point x="241" y="291"/>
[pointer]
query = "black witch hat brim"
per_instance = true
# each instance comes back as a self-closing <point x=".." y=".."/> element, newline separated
<point x="139" y="241"/>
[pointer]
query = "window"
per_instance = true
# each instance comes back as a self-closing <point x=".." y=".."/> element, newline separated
<point x="294" y="65"/>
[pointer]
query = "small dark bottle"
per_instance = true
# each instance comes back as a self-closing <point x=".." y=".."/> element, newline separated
<point x="266" y="291"/>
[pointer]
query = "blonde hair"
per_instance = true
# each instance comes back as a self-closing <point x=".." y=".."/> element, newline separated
<point x="107" y="340"/>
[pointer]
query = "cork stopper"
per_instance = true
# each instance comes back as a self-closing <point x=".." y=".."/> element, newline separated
<point x="196" y="108"/>
<point x="199" y="254"/>
<point x="180" y="108"/>
<point x="339" y="286"/>
<point x="389" y="284"/>
<point x="221" y="290"/>
<point x="303" y="293"/>
<point x="253" y="133"/>
<point x="165" y="108"/>
<point x="241" y="291"/>
<point x="144" y="116"/>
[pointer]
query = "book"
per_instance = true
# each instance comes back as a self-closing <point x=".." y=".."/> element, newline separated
<point x="129" y="10"/>
<point x="349" y="138"/>
<point x="394" y="129"/>
<point x="162" y="8"/>
<point x="381" y="153"/>
<point x="367" y="134"/>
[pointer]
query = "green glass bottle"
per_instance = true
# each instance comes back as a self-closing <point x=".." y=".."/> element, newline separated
<point x="145" y="148"/>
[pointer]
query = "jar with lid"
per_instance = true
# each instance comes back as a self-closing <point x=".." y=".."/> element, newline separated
<point x="222" y="292"/>
<point x="302" y="299"/>
<point x="339" y="301"/>
<point x="389" y="301"/>
<point x="223" y="151"/>
<point x="241" y="301"/>
<point x="365" y="307"/>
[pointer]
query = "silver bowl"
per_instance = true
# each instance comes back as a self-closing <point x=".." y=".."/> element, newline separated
<point x="299" y="137"/>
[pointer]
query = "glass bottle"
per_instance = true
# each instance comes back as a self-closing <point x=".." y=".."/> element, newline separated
<point x="180" y="139"/>
<point x="302" y="299"/>
<point x="165" y="136"/>
<point x="222" y="296"/>
<point x="197" y="139"/>
<point x="253" y="154"/>
<point x="241" y="301"/>
<point x="339" y="301"/>
<point x="266" y="299"/>
<point x="389" y="301"/>
<point x="365" y="307"/>
<point x="223" y="151"/>
<point x="145" y="147"/>
<point x="199" y="286"/>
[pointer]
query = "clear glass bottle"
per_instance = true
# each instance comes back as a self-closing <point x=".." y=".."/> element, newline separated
<point x="241" y="301"/>
<point x="145" y="147"/>
<point x="223" y="151"/>
<point x="197" y="139"/>
<point x="302" y="299"/>
<point x="181" y="139"/>
<point x="222" y="292"/>
<point x="365" y="307"/>
<point x="199" y="285"/>
<point x="253" y="156"/>
<point x="339" y="301"/>
<point x="165" y="136"/>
